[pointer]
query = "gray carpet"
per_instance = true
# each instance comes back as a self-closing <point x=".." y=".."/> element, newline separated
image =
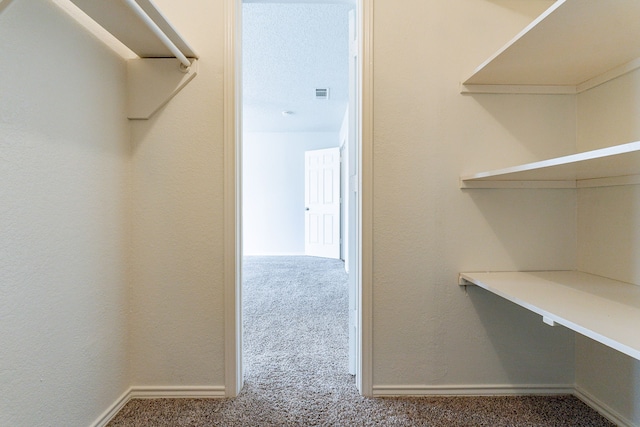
<point x="296" y="369"/>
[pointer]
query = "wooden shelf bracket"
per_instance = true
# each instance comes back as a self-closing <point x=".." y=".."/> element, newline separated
<point x="153" y="82"/>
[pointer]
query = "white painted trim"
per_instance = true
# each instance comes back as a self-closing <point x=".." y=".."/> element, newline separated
<point x="473" y="390"/>
<point x="364" y="375"/>
<point x="232" y="200"/>
<point x="470" y="184"/>
<point x="517" y="89"/>
<point x="112" y="410"/>
<point x="275" y="254"/>
<point x="608" y="76"/>
<point x="611" y="181"/>
<point x="158" y="392"/>
<point x="232" y="203"/>
<point x="604" y="409"/>
<point x="177" y="392"/>
<point x="551" y="89"/>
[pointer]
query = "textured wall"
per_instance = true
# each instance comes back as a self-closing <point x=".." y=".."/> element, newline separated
<point x="63" y="220"/>
<point x="64" y="201"/>
<point x="427" y="330"/>
<point x="609" y="238"/>
<point x="177" y="300"/>
<point x="273" y="189"/>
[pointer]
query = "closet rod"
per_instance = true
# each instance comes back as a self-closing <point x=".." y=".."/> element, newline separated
<point x="135" y="7"/>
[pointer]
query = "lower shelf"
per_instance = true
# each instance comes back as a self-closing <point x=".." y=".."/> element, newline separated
<point x="605" y="310"/>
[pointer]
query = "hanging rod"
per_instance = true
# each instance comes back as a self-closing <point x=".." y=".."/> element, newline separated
<point x="155" y="29"/>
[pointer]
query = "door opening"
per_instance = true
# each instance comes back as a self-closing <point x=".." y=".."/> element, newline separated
<point x="235" y="136"/>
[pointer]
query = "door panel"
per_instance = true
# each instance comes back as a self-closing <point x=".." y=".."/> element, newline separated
<point x="322" y="203"/>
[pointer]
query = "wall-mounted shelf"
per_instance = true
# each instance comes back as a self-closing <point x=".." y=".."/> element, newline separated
<point x="119" y="19"/>
<point x="616" y="165"/>
<point x="573" y="46"/>
<point x="153" y="78"/>
<point x="605" y="310"/>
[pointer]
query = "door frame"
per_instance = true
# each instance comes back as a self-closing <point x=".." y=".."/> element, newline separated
<point x="233" y="368"/>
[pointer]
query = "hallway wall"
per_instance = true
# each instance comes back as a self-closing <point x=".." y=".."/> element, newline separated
<point x="273" y="189"/>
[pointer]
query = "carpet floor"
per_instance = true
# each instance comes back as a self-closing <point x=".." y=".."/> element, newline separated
<point x="295" y="349"/>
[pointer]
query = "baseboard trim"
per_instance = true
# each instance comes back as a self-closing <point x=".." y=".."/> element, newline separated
<point x="187" y="392"/>
<point x="472" y="390"/>
<point x="159" y="392"/>
<point x="111" y="412"/>
<point x="604" y="409"/>
<point x="274" y="254"/>
<point x="218" y="392"/>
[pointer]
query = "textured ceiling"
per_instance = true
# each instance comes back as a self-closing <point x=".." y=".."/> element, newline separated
<point x="289" y="50"/>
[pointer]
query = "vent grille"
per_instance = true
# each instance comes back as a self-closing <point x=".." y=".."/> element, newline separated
<point x="322" y="93"/>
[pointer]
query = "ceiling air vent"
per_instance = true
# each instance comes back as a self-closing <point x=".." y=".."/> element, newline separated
<point x="322" y="93"/>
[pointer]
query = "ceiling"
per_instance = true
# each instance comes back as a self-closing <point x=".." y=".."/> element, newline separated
<point x="290" y="49"/>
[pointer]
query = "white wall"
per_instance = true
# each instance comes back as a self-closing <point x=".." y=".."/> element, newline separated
<point x="273" y="189"/>
<point x="609" y="239"/>
<point x="64" y="232"/>
<point x="177" y="331"/>
<point x="427" y="331"/>
<point x="63" y="266"/>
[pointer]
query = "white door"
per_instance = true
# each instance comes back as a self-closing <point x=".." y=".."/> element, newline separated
<point x="322" y="203"/>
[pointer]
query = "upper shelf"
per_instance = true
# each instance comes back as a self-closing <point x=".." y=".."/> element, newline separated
<point x="617" y="165"/>
<point x="119" y="19"/>
<point x="602" y="309"/>
<point x="573" y="46"/>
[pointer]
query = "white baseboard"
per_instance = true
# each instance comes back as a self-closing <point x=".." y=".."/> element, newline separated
<point x="111" y="412"/>
<point x="262" y="254"/>
<point x="604" y="409"/>
<point x="472" y="390"/>
<point x="218" y="392"/>
<point x="194" y="392"/>
<point x="159" y="392"/>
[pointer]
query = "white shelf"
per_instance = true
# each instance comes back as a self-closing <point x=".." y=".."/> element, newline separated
<point x="153" y="78"/>
<point x="605" y="310"/>
<point x="119" y="20"/>
<point x="617" y="165"/>
<point x="573" y="46"/>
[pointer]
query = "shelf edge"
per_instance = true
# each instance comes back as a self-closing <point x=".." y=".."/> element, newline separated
<point x="502" y="175"/>
<point x="611" y="181"/>
<point x="608" y="76"/>
<point x="518" y="36"/>
<point x="516" y="184"/>
<point x="497" y="89"/>
<point x="464" y="279"/>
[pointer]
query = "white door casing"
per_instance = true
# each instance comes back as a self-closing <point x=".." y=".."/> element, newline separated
<point x="322" y="203"/>
<point x="363" y="185"/>
<point x="352" y="197"/>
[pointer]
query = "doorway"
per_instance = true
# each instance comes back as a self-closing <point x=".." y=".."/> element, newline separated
<point x="358" y="179"/>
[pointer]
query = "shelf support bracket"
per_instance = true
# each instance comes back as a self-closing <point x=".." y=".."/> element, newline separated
<point x="464" y="282"/>
<point x="153" y="82"/>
